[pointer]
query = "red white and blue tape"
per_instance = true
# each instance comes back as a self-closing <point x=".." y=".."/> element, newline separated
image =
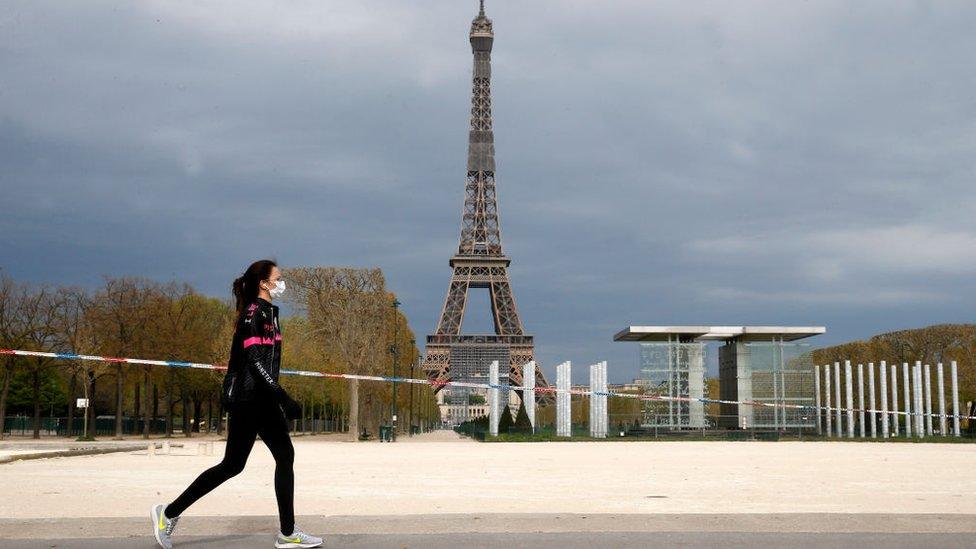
<point x="438" y="384"/>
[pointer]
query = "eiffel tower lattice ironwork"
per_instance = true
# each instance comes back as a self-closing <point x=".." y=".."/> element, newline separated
<point x="479" y="261"/>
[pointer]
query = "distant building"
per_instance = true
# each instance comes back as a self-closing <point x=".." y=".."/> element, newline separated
<point x="756" y="363"/>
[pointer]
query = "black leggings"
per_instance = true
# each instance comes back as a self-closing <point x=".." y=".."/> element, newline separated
<point x="268" y="421"/>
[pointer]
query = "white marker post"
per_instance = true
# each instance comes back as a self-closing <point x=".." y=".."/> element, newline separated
<point x="927" y="383"/>
<point x="816" y="392"/>
<point x="955" y="399"/>
<point x="885" y="428"/>
<point x="849" y="384"/>
<point x="894" y="397"/>
<point x="528" y="394"/>
<point x="860" y="398"/>
<point x="917" y="403"/>
<point x="837" y="395"/>
<point x="908" y="400"/>
<point x="604" y="400"/>
<point x="943" y="423"/>
<point x="828" y="413"/>
<point x="874" y="423"/>
<point x="563" y="424"/>
<point x="494" y="407"/>
<point x="598" y="419"/>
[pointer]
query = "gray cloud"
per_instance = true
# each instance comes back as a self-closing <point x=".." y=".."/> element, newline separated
<point x="800" y="163"/>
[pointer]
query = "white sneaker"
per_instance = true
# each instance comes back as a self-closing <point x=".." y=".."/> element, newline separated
<point x="297" y="539"/>
<point x="163" y="527"/>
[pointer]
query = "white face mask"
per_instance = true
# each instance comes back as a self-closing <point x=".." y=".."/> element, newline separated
<point x="278" y="290"/>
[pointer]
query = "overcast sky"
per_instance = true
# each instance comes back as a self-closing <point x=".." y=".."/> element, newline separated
<point x="658" y="162"/>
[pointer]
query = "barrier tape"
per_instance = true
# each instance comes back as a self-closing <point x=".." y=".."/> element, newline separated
<point x="435" y="383"/>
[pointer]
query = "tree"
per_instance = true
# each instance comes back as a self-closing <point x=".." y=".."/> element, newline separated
<point x="522" y="423"/>
<point x="123" y="315"/>
<point x="505" y="422"/>
<point x="37" y="320"/>
<point x="347" y="307"/>
<point x="11" y="297"/>
<point x="74" y="335"/>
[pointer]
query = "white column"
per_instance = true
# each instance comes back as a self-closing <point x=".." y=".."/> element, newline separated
<point x="493" y="399"/>
<point x="927" y="384"/>
<point x="860" y="399"/>
<point x="837" y="418"/>
<point x="943" y="423"/>
<point x="604" y="402"/>
<point x="528" y="394"/>
<point x="563" y="420"/>
<point x="909" y="419"/>
<point x="955" y="399"/>
<point x="849" y="385"/>
<point x="816" y="392"/>
<point x="592" y="398"/>
<point x="920" y="408"/>
<point x="604" y="399"/>
<point x="919" y="425"/>
<point x="885" y="428"/>
<point x="597" y="407"/>
<point x="894" y="398"/>
<point x="828" y="413"/>
<point x="871" y="414"/>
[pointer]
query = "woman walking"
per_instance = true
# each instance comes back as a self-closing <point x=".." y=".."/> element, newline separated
<point x="257" y="406"/>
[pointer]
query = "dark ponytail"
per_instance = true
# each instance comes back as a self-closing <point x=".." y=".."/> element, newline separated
<point x="245" y="287"/>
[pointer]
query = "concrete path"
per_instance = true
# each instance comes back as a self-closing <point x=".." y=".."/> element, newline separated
<point x="622" y="540"/>
<point x="515" y="530"/>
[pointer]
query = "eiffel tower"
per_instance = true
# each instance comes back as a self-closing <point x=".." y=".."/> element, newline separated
<point x="479" y="261"/>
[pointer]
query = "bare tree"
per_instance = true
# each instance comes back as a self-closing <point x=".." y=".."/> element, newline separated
<point x="36" y="322"/>
<point x="11" y="336"/>
<point x="348" y="307"/>
<point x="123" y="315"/>
<point x="73" y="334"/>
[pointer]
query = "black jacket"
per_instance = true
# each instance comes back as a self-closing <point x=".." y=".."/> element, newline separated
<point x="255" y="357"/>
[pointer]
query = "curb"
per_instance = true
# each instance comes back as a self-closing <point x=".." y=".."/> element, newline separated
<point x="75" y="452"/>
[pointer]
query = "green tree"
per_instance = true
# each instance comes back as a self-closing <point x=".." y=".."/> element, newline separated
<point x="505" y="422"/>
<point x="522" y="423"/>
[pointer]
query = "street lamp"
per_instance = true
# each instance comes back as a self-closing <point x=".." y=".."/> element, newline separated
<point x="395" y="352"/>
<point x="413" y="343"/>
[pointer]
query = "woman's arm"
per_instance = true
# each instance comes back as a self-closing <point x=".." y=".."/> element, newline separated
<point x="256" y="350"/>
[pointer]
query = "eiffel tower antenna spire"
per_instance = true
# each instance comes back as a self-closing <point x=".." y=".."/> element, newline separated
<point x="479" y="261"/>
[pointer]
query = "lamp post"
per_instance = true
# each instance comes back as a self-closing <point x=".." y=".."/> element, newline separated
<point x="413" y="343"/>
<point x="395" y="352"/>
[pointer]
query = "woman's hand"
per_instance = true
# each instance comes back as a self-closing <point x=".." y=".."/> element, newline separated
<point x="292" y="409"/>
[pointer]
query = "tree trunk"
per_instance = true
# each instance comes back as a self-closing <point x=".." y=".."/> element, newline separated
<point x="209" y="413"/>
<point x="354" y="409"/>
<point x="197" y="414"/>
<point x="220" y="418"/>
<point x="7" y="374"/>
<point x="169" y="405"/>
<point x="36" y="386"/>
<point x="118" y="402"/>
<point x="186" y="414"/>
<point x="145" y="415"/>
<point x="72" y="389"/>
<point x="137" y="406"/>
<point x="155" y="407"/>
<point x="90" y="410"/>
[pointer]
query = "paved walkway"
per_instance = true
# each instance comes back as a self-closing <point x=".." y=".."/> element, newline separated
<point x="518" y="530"/>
